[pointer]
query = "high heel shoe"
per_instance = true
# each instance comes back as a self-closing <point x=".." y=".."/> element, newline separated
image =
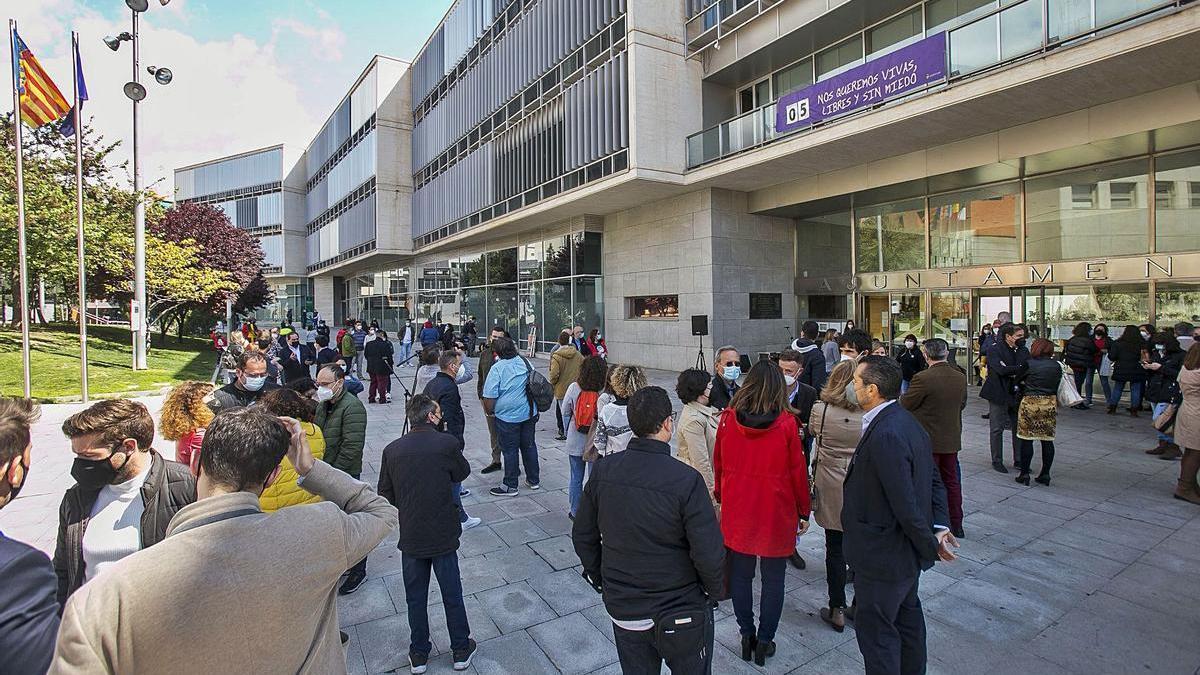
<point x="762" y="650"/>
<point x="1023" y="479"/>
<point x="749" y="642"/>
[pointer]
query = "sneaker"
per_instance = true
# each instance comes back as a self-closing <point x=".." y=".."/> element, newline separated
<point x="418" y="663"/>
<point x="464" y="493"/>
<point x="462" y="657"/>
<point x="533" y="486"/>
<point x="352" y="583"/>
<point x="503" y="491"/>
<point x="490" y="468"/>
<point x="470" y="522"/>
<point x="560" y="437"/>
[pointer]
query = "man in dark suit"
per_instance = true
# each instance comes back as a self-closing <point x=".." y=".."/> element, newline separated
<point x="728" y="366"/>
<point x="936" y="397"/>
<point x="28" y="609"/>
<point x="297" y="361"/>
<point x="893" y="515"/>
<point x="801" y="397"/>
<point x="1007" y="360"/>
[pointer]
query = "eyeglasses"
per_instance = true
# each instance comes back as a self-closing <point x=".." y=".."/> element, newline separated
<point x="728" y="364"/>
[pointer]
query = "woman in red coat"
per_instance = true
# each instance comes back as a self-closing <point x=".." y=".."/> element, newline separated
<point x="761" y="481"/>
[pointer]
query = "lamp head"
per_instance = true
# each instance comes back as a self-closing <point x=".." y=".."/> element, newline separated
<point x="134" y="91"/>
<point x="114" y="42"/>
<point x="161" y="75"/>
<point x="137" y="5"/>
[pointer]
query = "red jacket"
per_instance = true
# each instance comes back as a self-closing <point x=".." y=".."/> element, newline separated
<point x="187" y="450"/>
<point x="761" y="481"/>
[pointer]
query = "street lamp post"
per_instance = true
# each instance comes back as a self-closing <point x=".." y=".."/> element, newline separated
<point x="136" y="92"/>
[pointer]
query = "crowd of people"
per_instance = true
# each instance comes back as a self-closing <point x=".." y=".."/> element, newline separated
<point x="231" y="557"/>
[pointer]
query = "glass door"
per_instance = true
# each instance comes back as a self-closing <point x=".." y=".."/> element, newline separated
<point x="877" y="316"/>
<point x="909" y="317"/>
<point x="950" y="320"/>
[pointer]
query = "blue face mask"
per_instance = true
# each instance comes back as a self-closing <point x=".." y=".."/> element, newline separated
<point x="255" y="383"/>
<point x="732" y="373"/>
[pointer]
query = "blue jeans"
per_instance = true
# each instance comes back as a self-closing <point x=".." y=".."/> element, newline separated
<point x="416" y="596"/>
<point x="904" y="386"/>
<point x="516" y="439"/>
<point x="1135" y="393"/>
<point x="579" y="468"/>
<point x="1158" y="410"/>
<point x="405" y="351"/>
<point x="742" y="587"/>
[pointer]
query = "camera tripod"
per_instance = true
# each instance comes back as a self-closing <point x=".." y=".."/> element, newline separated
<point x="701" y="362"/>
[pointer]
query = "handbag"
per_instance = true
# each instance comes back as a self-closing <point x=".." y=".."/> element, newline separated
<point x="1106" y="366"/>
<point x="1068" y="395"/>
<point x="1165" y="420"/>
<point x="590" y="453"/>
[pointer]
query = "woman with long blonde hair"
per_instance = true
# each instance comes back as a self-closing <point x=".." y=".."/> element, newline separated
<point x="185" y="414"/>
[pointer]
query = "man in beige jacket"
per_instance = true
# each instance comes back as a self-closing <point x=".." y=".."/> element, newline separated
<point x="232" y="589"/>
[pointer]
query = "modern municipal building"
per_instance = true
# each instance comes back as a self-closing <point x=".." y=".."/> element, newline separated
<point x="916" y="167"/>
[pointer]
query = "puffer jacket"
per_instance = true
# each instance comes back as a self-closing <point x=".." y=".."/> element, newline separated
<point x="1163" y="384"/>
<point x="1080" y="353"/>
<point x="1127" y="362"/>
<point x="284" y="492"/>
<point x="1042" y="377"/>
<point x="565" y="363"/>
<point x="169" y="487"/>
<point x="343" y="422"/>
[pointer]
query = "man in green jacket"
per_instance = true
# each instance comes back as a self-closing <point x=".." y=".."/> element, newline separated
<point x="343" y="421"/>
<point x="486" y="358"/>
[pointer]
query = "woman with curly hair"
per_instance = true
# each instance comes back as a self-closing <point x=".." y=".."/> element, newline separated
<point x="613" y="432"/>
<point x="184" y="417"/>
<point x="284" y="491"/>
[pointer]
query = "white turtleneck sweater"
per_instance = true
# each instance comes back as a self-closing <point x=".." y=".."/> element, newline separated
<point x="115" y="528"/>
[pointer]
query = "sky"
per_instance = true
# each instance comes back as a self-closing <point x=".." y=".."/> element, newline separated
<point x="247" y="73"/>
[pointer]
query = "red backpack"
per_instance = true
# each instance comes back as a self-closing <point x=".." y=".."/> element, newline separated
<point x="585" y="411"/>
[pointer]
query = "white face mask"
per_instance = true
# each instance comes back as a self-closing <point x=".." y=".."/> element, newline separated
<point x="1145" y="335"/>
<point x="324" y="394"/>
<point x="851" y="394"/>
<point x="790" y="379"/>
<point x="847" y="357"/>
<point x="910" y="344"/>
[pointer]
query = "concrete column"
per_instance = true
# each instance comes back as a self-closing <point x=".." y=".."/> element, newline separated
<point x="323" y="298"/>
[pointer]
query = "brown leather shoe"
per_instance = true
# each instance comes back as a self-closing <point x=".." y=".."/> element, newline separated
<point x="1157" y="450"/>
<point x="1170" y="452"/>
<point x="834" y="616"/>
<point x="1187" y="489"/>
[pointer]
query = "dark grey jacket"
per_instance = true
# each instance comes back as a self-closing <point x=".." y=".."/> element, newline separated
<point x="169" y="487"/>
<point x="1042" y="377"/>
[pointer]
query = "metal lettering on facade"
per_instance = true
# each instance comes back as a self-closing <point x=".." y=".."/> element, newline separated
<point x="1130" y="269"/>
<point x="874" y="82"/>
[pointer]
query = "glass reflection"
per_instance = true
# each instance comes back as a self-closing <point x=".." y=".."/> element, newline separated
<point x="891" y="236"/>
<point x="1093" y="212"/>
<point x="975" y="227"/>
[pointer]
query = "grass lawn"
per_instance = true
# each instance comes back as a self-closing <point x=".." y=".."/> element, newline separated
<point x="55" y="362"/>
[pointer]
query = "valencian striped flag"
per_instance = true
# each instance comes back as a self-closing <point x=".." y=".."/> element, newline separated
<point x="41" y="101"/>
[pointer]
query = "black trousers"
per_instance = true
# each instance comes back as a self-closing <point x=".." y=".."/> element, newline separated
<point x="1027" y="456"/>
<point x="835" y="568"/>
<point x="639" y="653"/>
<point x="889" y="625"/>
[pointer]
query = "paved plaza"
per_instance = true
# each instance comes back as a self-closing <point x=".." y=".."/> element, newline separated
<point x="1098" y="573"/>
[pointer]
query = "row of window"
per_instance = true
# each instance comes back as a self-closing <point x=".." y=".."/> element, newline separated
<point x="349" y="144"/>
<point x="230" y="175"/>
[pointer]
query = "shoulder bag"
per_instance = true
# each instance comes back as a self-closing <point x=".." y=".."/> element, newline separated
<point x="1068" y="395"/>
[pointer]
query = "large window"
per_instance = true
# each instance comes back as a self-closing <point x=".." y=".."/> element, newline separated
<point x="1093" y="212"/>
<point x="1177" y="202"/>
<point x="891" y="237"/>
<point x="796" y="76"/>
<point x="975" y="227"/>
<point x="840" y="57"/>
<point x="587" y="252"/>
<point x="900" y="29"/>
<point x="943" y="14"/>
<point x="1115" y="305"/>
<point x="1177" y="302"/>
<point x="653" y="307"/>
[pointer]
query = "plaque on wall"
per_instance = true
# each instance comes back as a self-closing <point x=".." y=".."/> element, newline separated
<point x="766" y="305"/>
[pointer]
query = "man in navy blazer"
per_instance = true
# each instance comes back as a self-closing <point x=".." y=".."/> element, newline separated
<point x="28" y="607"/>
<point x="895" y="522"/>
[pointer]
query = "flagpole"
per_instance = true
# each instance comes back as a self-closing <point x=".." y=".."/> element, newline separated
<point x="23" y="283"/>
<point x="78" y="112"/>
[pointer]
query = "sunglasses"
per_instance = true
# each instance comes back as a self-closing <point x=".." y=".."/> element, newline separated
<point x="730" y="363"/>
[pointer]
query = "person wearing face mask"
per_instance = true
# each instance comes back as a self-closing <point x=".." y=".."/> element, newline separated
<point x="379" y="366"/>
<point x="1007" y="360"/>
<point x="343" y="421"/>
<point x="359" y="336"/>
<point x="250" y="383"/>
<point x="487" y="357"/>
<point x="648" y="540"/>
<point x="1080" y="354"/>
<point x="285" y="491"/>
<point x="297" y="359"/>
<point x="1126" y="354"/>
<point x="812" y="359"/>
<point x="728" y="367"/>
<point x="1166" y="360"/>
<point x="453" y="370"/>
<point x="228" y="574"/>
<point x="595" y="343"/>
<point x="124" y="496"/>
<point x="761" y="481"/>
<point x="912" y="361"/>
<point x="697" y="423"/>
<point x="801" y="397"/>
<point x="418" y="474"/>
<point x="894" y="514"/>
<point x="28" y="611"/>
<point x="853" y="345"/>
<point x="1102" y="365"/>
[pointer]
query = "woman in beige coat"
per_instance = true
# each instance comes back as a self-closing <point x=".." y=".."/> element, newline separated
<point x="697" y="423"/>
<point x="1187" y="427"/>
<point x="837" y="426"/>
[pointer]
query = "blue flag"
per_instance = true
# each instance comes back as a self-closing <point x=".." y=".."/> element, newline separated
<point x="67" y="127"/>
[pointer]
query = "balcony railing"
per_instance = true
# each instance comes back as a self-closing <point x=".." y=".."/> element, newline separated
<point x="1003" y="36"/>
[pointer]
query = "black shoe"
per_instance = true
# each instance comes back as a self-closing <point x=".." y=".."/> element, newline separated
<point x="464" y="493"/>
<point x="762" y="650"/>
<point x="958" y="533"/>
<point x="345" y="638"/>
<point x="352" y="582"/>
<point x="748" y="644"/>
<point x="503" y="491"/>
<point x="494" y="466"/>
<point x="1023" y="479"/>
<point x="1044" y="480"/>
<point x="797" y="561"/>
<point x="417" y="663"/>
<point x="986" y="416"/>
<point x="560" y="437"/>
<point x="999" y="466"/>
<point x="462" y="657"/>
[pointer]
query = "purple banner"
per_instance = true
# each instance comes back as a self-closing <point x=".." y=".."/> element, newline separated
<point x="886" y="77"/>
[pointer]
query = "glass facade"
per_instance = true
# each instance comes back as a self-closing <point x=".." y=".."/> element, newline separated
<point x="1177" y="202"/>
<point x="975" y="227"/>
<point x="1091" y="212"/>
<point x="543" y="284"/>
<point x="891" y="236"/>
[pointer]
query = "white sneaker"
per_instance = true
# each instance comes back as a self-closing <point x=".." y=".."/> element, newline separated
<point x="470" y="522"/>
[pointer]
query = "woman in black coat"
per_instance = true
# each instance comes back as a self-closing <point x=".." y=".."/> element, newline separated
<point x="912" y="361"/>
<point x="1080" y="354"/>
<point x="1126" y="356"/>
<point x="378" y="353"/>
<point x="1166" y="360"/>
<point x="1037" y="415"/>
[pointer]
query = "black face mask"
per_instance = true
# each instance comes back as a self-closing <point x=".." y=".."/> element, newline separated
<point x="95" y="473"/>
<point x="1021" y="342"/>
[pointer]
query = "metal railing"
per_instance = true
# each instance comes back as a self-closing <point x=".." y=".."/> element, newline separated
<point x="1005" y="35"/>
